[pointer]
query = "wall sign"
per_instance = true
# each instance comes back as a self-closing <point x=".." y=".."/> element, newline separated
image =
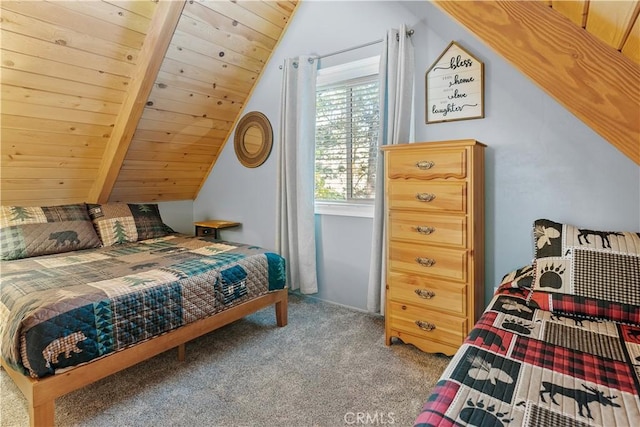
<point x="454" y="86"/>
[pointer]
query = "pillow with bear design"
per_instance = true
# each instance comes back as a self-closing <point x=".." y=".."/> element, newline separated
<point x="587" y="272"/>
<point x="42" y="230"/>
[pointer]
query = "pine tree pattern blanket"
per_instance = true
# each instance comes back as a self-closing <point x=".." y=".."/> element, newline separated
<point x="59" y="311"/>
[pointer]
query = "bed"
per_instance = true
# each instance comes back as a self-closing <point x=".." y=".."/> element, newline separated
<point x="89" y="290"/>
<point x="559" y="343"/>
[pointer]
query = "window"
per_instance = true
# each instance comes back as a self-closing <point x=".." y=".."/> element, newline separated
<point x="347" y="127"/>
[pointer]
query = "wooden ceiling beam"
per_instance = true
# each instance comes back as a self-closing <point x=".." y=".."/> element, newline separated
<point x="163" y="24"/>
<point x="589" y="78"/>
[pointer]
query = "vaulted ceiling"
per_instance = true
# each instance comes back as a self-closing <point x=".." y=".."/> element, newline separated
<point x="127" y="100"/>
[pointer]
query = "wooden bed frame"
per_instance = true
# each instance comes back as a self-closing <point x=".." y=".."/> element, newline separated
<point x="41" y="393"/>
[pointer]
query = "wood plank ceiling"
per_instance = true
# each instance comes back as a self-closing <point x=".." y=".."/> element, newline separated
<point x="125" y="100"/>
<point x="132" y="100"/>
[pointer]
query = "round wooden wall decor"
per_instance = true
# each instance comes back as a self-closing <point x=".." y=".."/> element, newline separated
<point x="253" y="139"/>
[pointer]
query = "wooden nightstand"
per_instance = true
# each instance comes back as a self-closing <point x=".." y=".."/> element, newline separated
<point x="210" y="228"/>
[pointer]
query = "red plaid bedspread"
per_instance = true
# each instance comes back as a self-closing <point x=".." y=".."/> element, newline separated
<point x="522" y="366"/>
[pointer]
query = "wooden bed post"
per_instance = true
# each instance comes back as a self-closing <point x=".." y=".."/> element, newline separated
<point x="282" y="310"/>
<point x="182" y="352"/>
<point x="42" y="415"/>
<point x="41" y="404"/>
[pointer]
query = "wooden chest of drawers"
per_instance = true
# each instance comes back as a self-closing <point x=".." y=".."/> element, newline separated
<point x="435" y="250"/>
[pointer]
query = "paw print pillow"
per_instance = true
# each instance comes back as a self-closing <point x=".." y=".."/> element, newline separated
<point x="587" y="272"/>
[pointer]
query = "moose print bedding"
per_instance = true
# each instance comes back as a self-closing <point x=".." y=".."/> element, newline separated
<point x="59" y="311"/>
<point x="552" y="348"/>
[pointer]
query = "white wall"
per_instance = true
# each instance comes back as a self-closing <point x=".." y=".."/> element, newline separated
<point x="178" y="215"/>
<point x="541" y="160"/>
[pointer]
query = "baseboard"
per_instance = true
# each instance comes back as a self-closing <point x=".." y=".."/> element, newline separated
<point x="349" y="307"/>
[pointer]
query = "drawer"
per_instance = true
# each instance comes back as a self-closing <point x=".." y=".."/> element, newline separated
<point x="427" y="195"/>
<point x="421" y="291"/>
<point x="425" y="323"/>
<point x="421" y="165"/>
<point x="204" y="231"/>
<point x="428" y="260"/>
<point x="425" y="228"/>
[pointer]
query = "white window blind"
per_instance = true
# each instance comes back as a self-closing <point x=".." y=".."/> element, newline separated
<point x="347" y="127"/>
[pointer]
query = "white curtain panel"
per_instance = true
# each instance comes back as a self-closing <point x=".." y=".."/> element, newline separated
<point x="396" y="113"/>
<point x="295" y="229"/>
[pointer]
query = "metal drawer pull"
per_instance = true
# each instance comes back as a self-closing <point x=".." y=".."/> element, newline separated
<point x="425" y="164"/>
<point x="425" y="197"/>
<point x="425" y="293"/>
<point x="425" y="326"/>
<point x="423" y="229"/>
<point x="425" y="262"/>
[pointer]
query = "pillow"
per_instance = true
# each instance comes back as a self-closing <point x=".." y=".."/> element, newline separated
<point x="122" y="222"/>
<point x="520" y="278"/>
<point x="33" y="231"/>
<point x="587" y="272"/>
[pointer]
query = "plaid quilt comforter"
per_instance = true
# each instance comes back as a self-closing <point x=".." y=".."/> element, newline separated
<point x="62" y="310"/>
<point x="522" y="366"/>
